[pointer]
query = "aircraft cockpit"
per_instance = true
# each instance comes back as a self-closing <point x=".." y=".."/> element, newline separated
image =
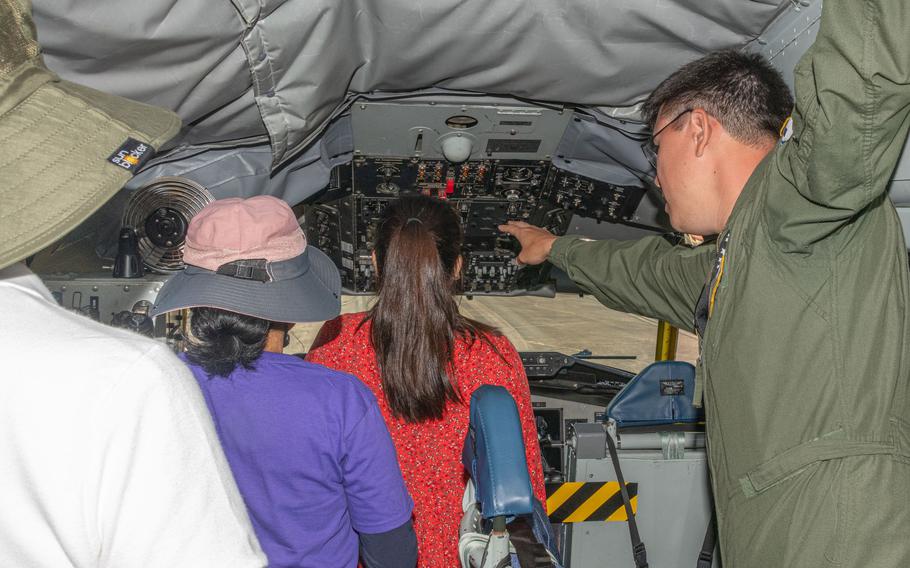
<point x="509" y="111"/>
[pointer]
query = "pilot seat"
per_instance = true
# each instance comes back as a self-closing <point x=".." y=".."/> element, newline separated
<point x="503" y="524"/>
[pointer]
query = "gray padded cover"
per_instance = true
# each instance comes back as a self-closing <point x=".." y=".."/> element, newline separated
<point x="253" y="71"/>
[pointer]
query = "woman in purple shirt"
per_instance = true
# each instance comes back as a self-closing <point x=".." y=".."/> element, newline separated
<point x="308" y="446"/>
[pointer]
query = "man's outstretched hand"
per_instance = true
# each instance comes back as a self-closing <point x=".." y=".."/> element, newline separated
<point x="535" y="242"/>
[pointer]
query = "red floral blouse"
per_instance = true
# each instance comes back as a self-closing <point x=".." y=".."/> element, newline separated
<point x="429" y="453"/>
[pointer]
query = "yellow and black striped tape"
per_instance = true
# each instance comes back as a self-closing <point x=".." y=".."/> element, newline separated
<point x="579" y="501"/>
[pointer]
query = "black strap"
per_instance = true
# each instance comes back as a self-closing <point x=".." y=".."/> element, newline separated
<point x="531" y="553"/>
<point x="247" y="269"/>
<point x="638" y="547"/>
<point x="706" y="556"/>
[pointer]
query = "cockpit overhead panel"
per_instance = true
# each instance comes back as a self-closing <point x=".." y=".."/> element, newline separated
<point x="428" y="129"/>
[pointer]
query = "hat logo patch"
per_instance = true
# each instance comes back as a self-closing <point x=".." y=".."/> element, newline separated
<point x="132" y="154"/>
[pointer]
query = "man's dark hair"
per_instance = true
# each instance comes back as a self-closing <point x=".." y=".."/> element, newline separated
<point x="222" y="340"/>
<point x="741" y="90"/>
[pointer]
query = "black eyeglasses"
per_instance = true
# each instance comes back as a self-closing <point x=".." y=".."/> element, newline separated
<point x="649" y="148"/>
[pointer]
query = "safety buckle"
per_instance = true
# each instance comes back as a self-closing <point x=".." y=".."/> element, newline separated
<point x="247" y="269"/>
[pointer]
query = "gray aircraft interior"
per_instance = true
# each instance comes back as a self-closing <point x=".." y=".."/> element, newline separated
<point x="511" y="110"/>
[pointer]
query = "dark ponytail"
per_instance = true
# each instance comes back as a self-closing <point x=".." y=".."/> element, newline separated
<point x="222" y="340"/>
<point x="415" y="319"/>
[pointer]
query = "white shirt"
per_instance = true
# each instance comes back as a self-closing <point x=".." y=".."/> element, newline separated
<point x="108" y="457"/>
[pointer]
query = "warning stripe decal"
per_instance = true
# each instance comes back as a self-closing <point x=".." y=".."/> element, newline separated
<point x="577" y="501"/>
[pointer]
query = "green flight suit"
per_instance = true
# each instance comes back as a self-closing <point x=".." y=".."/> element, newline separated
<point x="805" y="361"/>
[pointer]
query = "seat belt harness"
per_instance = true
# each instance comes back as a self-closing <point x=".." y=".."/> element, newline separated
<point x="639" y="553"/>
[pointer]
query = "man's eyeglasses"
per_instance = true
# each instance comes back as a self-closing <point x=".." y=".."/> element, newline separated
<point x="649" y="148"/>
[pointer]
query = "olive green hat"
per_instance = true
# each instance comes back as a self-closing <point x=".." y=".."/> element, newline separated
<point x="65" y="149"/>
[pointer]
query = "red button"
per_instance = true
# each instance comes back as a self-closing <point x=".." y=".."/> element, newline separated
<point x="450" y="186"/>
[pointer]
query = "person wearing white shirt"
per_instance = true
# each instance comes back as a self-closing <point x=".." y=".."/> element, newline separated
<point x="108" y="456"/>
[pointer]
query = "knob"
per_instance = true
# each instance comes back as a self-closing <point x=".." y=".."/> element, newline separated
<point x="456" y="149"/>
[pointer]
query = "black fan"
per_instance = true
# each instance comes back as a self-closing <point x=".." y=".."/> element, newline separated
<point x="160" y="213"/>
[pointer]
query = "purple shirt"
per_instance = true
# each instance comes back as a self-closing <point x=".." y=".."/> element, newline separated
<point x="311" y="455"/>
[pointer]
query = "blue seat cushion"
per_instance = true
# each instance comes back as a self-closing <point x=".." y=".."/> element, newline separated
<point x="660" y="394"/>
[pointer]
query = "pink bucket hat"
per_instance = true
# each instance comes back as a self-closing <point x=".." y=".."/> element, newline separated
<point x="250" y="256"/>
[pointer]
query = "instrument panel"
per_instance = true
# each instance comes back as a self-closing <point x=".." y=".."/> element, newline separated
<point x="485" y="193"/>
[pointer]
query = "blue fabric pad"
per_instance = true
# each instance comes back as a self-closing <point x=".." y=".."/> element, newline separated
<point x="494" y="454"/>
<point x="660" y="394"/>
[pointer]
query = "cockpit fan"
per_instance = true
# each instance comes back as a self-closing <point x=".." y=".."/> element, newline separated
<point x="160" y="213"/>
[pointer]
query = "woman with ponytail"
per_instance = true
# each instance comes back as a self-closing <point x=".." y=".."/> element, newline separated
<point x="308" y="446"/>
<point x="423" y="359"/>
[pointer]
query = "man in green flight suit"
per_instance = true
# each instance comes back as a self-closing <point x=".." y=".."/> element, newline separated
<point x="802" y="304"/>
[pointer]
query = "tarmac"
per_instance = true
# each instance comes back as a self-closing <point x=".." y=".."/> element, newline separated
<point x="568" y="324"/>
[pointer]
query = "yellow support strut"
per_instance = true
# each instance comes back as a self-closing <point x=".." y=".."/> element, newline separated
<point x="667" y="340"/>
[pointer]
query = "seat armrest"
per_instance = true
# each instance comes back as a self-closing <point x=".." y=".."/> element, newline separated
<point x="494" y="454"/>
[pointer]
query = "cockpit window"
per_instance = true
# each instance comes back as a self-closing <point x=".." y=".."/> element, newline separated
<point x="568" y="324"/>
